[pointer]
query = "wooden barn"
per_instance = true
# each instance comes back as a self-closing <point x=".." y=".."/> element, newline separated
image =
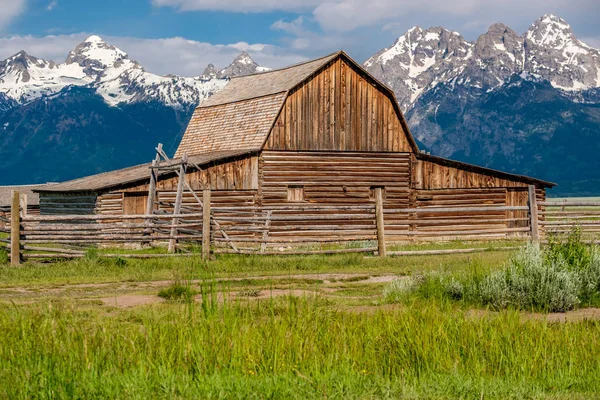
<point x="324" y="132"/>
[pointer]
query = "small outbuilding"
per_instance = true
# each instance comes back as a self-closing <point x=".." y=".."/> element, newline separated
<point x="324" y="132"/>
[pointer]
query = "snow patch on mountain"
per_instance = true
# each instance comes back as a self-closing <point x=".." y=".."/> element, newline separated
<point x="118" y="79"/>
<point x="420" y="59"/>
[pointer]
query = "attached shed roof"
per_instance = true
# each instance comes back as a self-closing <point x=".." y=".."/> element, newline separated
<point x="484" y="171"/>
<point x="33" y="199"/>
<point x="138" y="173"/>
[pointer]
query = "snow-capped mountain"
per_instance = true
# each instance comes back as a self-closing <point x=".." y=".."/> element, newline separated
<point x="118" y="79"/>
<point x="422" y="59"/>
<point x="242" y="65"/>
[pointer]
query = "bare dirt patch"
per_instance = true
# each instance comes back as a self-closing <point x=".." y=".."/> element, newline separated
<point x="130" y="300"/>
<point x="583" y="314"/>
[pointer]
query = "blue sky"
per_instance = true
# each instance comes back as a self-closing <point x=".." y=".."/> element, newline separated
<point x="182" y="36"/>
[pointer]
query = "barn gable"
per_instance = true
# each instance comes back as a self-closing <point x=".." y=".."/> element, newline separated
<point x="341" y="108"/>
<point x="330" y="103"/>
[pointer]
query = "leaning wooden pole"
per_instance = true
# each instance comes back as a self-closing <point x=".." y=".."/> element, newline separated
<point x="380" y="222"/>
<point x="533" y="214"/>
<point x="177" y="207"/>
<point x="206" y="224"/>
<point x="15" y="229"/>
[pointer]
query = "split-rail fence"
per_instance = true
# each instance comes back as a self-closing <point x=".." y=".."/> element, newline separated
<point x="293" y="229"/>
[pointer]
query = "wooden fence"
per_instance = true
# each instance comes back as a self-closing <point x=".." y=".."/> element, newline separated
<point x="293" y="229"/>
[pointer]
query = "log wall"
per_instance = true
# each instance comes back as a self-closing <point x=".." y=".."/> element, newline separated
<point x="330" y="178"/>
<point x="68" y="203"/>
<point x="339" y="109"/>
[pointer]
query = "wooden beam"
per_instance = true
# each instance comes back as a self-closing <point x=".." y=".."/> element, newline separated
<point x="177" y="207"/>
<point x="263" y="245"/>
<point x="533" y="214"/>
<point x="380" y="222"/>
<point x="206" y="225"/>
<point x="15" y="229"/>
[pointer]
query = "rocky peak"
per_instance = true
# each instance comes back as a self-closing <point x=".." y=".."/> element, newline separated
<point x="243" y="64"/>
<point x="497" y="54"/>
<point x="94" y="55"/>
<point x="550" y="31"/>
<point x="554" y="53"/>
<point x="210" y="72"/>
<point x="418" y="59"/>
<point x="23" y="61"/>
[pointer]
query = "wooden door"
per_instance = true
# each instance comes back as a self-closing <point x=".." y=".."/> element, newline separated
<point x="134" y="203"/>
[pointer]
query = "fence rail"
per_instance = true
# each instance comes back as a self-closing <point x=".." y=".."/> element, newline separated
<point x="290" y="229"/>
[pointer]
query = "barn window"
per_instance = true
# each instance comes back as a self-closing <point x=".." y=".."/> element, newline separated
<point x="295" y="193"/>
<point x="372" y="192"/>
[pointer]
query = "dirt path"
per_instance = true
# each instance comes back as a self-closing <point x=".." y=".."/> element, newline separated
<point x="326" y="278"/>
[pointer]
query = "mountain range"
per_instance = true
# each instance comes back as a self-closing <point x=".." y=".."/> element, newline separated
<point x="525" y="103"/>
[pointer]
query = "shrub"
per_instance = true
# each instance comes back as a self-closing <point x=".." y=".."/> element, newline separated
<point x="572" y="250"/>
<point x="397" y="289"/>
<point x="178" y="292"/>
<point x="532" y="282"/>
<point x="3" y="256"/>
<point x="556" y="278"/>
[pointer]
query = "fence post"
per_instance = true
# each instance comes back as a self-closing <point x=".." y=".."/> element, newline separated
<point x="380" y="222"/>
<point x="206" y="224"/>
<point x="533" y="214"/>
<point x="15" y="229"/>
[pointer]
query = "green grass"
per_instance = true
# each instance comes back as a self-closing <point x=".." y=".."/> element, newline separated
<point x="340" y="341"/>
<point x="290" y="348"/>
<point x="100" y="270"/>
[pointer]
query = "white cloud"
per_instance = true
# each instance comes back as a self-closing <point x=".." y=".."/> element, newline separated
<point x="346" y="15"/>
<point x="51" y="47"/>
<point x="162" y="56"/>
<point x="52" y="5"/>
<point x="239" y="5"/>
<point x="302" y="38"/>
<point x="9" y="10"/>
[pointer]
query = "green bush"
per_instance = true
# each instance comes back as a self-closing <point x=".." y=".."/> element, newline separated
<point x="178" y="292"/>
<point x="556" y="278"/>
<point x="532" y="281"/>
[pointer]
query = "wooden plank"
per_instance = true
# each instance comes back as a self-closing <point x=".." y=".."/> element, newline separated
<point x="380" y="222"/>
<point x="206" y="224"/>
<point x="177" y="208"/>
<point x="15" y="230"/>
<point x="533" y="213"/>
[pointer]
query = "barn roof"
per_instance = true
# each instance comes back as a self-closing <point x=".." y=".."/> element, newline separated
<point x="485" y="171"/>
<point x="133" y="174"/>
<point x="266" y="83"/>
<point x="241" y="115"/>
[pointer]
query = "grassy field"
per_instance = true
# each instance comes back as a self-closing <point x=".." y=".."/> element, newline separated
<point x="278" y="327"/>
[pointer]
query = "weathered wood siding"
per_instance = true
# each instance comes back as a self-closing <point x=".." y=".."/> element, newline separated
<point x="437" y="185"/>
<point x="68" y="203"/>
<point x="432" y="175"/>
<point x="341" y="109"/>
<point x="234" y="180"/>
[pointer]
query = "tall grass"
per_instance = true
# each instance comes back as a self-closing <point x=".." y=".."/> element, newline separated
<point x="290" y="348"/>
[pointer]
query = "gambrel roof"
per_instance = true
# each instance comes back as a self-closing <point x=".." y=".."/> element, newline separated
<point x="242" y="114"/>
